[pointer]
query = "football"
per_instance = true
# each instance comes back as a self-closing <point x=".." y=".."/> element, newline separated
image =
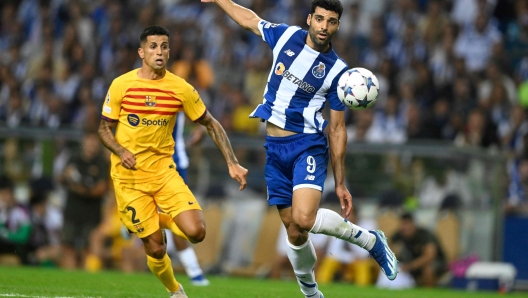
<point x="358" y="88"/>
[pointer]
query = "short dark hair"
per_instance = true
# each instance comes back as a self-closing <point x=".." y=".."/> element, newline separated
<point x="152" y="30"/>
<point x="6" y="183"/>
<point x="407" y="216"/>
<point x="331" y="5"/>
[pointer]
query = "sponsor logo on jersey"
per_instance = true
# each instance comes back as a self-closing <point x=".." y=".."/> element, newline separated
<point x="133" y="119"/>
<point x="279" y="69"/>
<point x="150" y="100"/>
<point x="157" y="122"/>
<point x="289" y="52"/>
<point x="302" y="84"/>
<point x="108" y="97"/>
<point x="319" y="71"/>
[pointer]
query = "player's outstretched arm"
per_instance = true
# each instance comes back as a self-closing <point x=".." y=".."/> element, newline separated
<point x="128" y="160"/>
<point x="219" y="137"/>
<point x="246" y="18"/>
<point x="337" y="138"/>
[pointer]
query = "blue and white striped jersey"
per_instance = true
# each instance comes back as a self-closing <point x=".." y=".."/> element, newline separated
<point x="300" y="81"/>
<point x="180" y="155"/>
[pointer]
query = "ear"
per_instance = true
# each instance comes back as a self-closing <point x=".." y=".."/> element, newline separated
<point x="141" y="53"/>
<point x="309" y="19"/>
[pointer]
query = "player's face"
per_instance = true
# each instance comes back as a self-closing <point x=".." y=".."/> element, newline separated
<point x="323" y="25"/>
<point x="155" y="51"/>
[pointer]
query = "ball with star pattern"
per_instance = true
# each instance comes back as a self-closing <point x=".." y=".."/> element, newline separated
<point x="358" y="88"/>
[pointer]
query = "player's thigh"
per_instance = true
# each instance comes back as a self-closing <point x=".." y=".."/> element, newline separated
<point x="309" y="174"/>
<point x="192" y="224"/>
<point x="278" y="180"/>
<point x="174" y="196"/>
<point x="137" y="209"/>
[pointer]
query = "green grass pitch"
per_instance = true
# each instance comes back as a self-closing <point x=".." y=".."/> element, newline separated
<point x="44" y="283"/>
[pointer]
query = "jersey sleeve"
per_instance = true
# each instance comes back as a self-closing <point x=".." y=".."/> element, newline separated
<point x="193" y="106"/>
<point x="271" y="32"/>
<point x="112" y="103"/>
<point x="332" y="98"/>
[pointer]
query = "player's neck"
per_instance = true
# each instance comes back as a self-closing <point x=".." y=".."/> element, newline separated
<point x="151" y="74"/>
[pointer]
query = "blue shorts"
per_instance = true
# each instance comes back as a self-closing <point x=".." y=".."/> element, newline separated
<point x="297" y="161"/>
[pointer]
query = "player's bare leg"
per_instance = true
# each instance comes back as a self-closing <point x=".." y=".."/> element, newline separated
<point x="298" y="220"/>
<point x="189" y="261"/>
<point x="192" y="225"/>
<point x="159" y="262"/>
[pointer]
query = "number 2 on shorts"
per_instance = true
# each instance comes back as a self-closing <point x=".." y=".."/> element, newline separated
<point x="134" y="219"/>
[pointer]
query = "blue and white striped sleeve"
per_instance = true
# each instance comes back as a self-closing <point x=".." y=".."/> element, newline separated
<point x="271" y="32"/>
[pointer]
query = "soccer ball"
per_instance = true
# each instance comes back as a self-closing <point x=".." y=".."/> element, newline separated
<point x="358" y="88"/>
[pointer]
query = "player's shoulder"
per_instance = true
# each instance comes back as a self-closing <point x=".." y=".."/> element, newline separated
<point x="126" y="77"/>
<point x="169" y="76"/>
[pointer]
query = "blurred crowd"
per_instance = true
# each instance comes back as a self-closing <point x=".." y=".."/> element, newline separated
<point x="449" y="70"/>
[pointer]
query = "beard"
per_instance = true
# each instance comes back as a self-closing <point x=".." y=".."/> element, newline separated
<point x="318" y="42"/>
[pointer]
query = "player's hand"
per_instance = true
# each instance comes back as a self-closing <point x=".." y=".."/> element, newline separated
<point x="128" y="160"/>
<point x="238" y="173"/>
<point x="345" y="199"/>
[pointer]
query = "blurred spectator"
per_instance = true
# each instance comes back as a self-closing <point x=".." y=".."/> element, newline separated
<point x="513" y="130"/>
<point x="347" y="262"/>
<point x="419" y="252"/>
<point x="494" y="76"/>
<point x="15" y="225"/>
<point x="434" y="22"/>
<point x="46" y="221"/>
<point x="363" y="130"/>
<point x="517" y="200"/>
<point x="86" y="180"/>
<point x="391" y="122"/>
<point x="477" y="132"/>
<point x="476" y="41"/>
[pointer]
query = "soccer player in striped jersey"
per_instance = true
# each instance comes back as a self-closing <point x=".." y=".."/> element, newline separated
<point x="302" y="80"/>
<point x="142" y="105"/>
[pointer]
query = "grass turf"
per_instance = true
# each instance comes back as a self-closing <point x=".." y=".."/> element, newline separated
<point x="44" y="283"/>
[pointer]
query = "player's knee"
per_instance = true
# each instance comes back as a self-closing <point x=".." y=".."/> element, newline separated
<point x="196" y="234"/>
<point x="157" y="251"/>
<point x="304" y="221"/>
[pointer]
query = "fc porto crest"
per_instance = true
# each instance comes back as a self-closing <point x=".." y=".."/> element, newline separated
<point x="150" y="100"/>
<point x="319" y="71"/>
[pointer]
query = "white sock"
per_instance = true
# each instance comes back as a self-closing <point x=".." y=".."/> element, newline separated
<point x="331" y="223"/>
<point x="190" y="262"/>
<point x="303" y="260"/>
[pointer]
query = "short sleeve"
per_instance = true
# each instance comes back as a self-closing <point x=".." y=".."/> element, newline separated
<point x="193" y="105"/>
<point x="112" y="103"/>
<point x="332" y="98"/>
<point x="271" y="32"/>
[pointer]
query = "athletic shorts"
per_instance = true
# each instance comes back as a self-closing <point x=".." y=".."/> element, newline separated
<point x="297" y="161"/>
<point x="138" y="203"/>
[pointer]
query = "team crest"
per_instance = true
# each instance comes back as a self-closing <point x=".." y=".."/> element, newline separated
<point x="139" y="228"/>
<point x="150" y="100"/>
<point x="319" y="71"/>
<point x="279" y="69"/>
